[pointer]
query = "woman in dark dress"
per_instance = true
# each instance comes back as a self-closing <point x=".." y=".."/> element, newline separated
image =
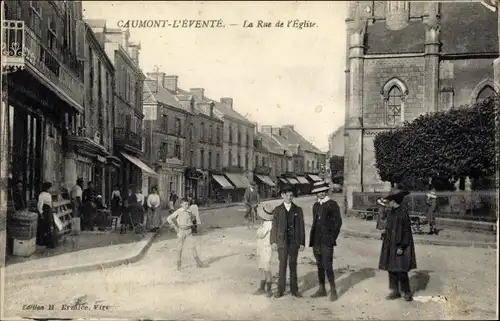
<point x="47" y="232"/>
<point x="398" y="249"/>
<point x="126" y="218"/>
<point x="89" y="212"/>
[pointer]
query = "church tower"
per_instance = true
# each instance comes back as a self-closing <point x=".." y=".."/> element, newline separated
<point x="405" y="59"/>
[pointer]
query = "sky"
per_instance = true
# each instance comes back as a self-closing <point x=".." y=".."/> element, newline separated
<point x="276" y="76"/>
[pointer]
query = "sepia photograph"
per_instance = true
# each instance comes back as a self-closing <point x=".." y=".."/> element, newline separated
<point x="249" y="160"/>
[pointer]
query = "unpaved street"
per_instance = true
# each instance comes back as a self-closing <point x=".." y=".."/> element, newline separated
<point x="153" y="289"/>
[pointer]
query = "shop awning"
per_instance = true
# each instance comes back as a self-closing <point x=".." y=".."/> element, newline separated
<point x="293" y="181"/>
<point x="266" y="180"/>
<point x="238" y="180"/>
<point x="146" y="170"/>
<point x="284" y="180"/>
<point x="223" y="182"/>
<point x="302" y="180"/>
<point x="315" y="178"/>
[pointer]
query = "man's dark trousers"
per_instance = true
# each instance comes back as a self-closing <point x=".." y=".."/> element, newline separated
<point x="324" y="262"/>
<point x="288" y="254"/>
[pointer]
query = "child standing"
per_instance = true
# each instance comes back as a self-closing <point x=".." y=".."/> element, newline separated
<point x="182" y="221"/>
<point x="264" y="250"/>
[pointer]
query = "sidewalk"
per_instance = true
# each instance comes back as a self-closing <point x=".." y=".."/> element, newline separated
<point x="447" y="236"/>
<point x="93" y="256"/>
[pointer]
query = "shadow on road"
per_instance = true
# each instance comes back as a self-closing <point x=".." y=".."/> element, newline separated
<point x="310" y="279"/>
<point x="214" y="259"/>
<point x="420" y="280"/>
<point x="353" y="279"/>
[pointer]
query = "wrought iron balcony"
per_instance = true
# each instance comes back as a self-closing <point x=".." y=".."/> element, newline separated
<point x="13" y="46"/>
<point x="56" y="67"/>
<point x="127" y="139"/>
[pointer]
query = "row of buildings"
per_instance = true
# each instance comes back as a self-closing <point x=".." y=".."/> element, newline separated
<point x="75" y="103"/>
<point x="406" y="58"/>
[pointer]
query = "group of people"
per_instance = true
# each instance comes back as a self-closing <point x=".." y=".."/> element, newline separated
<point x="283" y="231"/>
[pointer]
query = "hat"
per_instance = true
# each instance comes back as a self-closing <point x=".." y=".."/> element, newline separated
<point x="265" y="212"/>
<point x="320" y="187"/>
<point x="79" y="179"/>
<point x="286" y="188"/>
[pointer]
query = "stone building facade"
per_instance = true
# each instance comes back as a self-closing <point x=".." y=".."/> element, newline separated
<point x="336" y="143"/>
<point x="166" y="135"/>
<point x="128" y="112"/>
<point x="405" y="59"/>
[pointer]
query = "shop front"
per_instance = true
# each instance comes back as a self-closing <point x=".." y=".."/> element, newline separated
<point x="171" y="179"/>
<point x="265" y="185"/>
<point x="195" y="183"/>
<point x="220" y="188"/>
<point x="240" y="183"/>
<point x="86" y="158"/>
<point x="136" y="173"/>
<point x="304" y="185"/>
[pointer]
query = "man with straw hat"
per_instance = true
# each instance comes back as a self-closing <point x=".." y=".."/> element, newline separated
<point x="325" y="230"/>
<point x="264" y="249"/>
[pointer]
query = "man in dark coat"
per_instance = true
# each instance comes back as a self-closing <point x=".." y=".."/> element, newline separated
<point x="325" y="230"/>
<point x="398" y="250"/>
<point x="288" y="237"/>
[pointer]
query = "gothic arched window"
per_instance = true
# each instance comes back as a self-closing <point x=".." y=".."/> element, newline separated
<point x="394" y="95"/>
<point x="486" y="93"/>
<point x="394" y="102"/>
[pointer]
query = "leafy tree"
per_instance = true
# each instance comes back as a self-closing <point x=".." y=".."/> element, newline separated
<point x="443" y="146"/>
<point x="337" y="169"/>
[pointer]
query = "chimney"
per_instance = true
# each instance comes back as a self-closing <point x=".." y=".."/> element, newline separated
<point x="267" y="129"/>
<point x="125" y="38"/>
<point x="113" y="35"/>
<point x="170" y="82"/>
<point x="228" y="101"/>
<point x="256" y="128"/>
<point x="158" y="77"/>
<point x="134" y="50"/>
<point x="198" y="92"/>
<point x="291" y="127"/>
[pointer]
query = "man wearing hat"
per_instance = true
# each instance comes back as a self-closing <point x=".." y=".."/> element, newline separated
<point x="288" y="237"/>
<point x="397" y="255"/>
<point x="325" y="230"/>
<point x="251" y="199"/>
<point x="264" y="249"/>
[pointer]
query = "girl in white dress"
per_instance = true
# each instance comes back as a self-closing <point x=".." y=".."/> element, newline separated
<point x="264" y="250"/>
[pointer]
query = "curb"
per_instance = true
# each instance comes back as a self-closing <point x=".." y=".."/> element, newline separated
<point x="149" y="238"/>
<point x="484" y="245"/>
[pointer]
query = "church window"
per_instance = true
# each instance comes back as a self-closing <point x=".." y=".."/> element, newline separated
<point x="394" y="103"/>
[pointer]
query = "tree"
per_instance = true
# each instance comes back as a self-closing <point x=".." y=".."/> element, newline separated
<point x="337" y="169"/>
<point x="444" y="146"/>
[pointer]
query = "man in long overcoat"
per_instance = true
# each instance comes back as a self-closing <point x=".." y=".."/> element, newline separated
<point x="325" y="230"/>
<point x="288" y="237"/>
<point x="397" y="256"/>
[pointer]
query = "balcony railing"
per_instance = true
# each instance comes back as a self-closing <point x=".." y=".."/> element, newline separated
<point x="125" y="137"/>
<point x="54" y="63"/>
<point x="20" y="45"/>
<point x="13" y="45"/>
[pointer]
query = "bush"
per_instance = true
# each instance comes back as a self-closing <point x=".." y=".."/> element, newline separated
<point x="442" y="146"/>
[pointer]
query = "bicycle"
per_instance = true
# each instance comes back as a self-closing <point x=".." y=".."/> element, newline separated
<point x="252" y="216"/>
